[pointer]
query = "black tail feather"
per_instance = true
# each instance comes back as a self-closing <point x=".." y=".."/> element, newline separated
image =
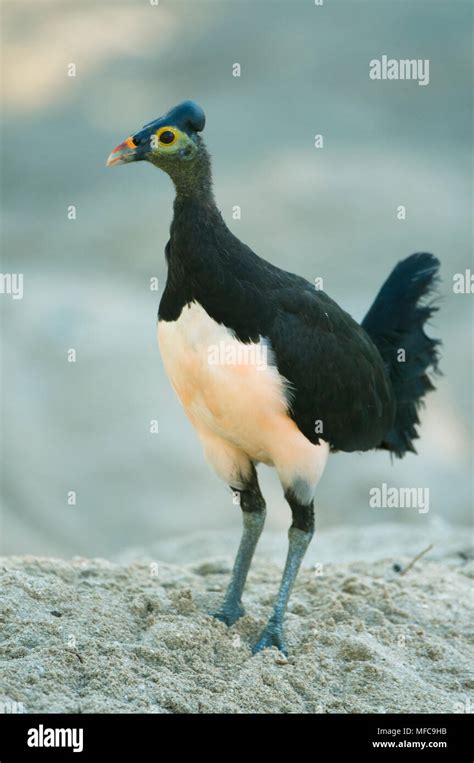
<point x="395" y="323"/>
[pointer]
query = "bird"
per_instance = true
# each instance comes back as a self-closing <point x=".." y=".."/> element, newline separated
<point x="269" y="369"/>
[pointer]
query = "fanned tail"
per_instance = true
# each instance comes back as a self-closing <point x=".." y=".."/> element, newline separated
<point x="395" y="323"/>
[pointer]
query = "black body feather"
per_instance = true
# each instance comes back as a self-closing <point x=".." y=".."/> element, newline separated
<point x="341" y="374"/>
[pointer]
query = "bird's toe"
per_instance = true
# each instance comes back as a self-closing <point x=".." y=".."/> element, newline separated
<point x="228" y="614"/>
<point x="272" y="635"/>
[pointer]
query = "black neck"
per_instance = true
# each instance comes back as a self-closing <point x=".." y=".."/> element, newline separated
<point x="206" y="262"/>
<point x="193" y="179"/>
<point x="196" y="219"/>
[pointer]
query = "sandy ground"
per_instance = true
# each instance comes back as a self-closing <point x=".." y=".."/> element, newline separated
<point x="98" y="636"/>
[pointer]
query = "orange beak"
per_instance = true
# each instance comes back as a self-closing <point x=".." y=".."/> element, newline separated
<point x="124" y="153"/>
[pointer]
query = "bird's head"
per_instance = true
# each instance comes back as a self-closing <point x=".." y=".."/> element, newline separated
<point x="168" y="142"/>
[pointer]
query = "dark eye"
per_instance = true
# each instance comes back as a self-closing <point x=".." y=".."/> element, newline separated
<point x="134" y="141"/>
<point x="167" y="137"/>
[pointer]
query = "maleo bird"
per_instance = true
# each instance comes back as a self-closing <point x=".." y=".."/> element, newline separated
<point x="327" y="383"/>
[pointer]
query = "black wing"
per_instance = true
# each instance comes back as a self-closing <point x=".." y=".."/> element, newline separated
<point x="336" y="373"/>
<point x="341" y="390"/>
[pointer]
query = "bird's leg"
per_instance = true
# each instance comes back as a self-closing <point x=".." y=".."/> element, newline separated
<point x="253" y="515"/>
<point x="300" y="534"/>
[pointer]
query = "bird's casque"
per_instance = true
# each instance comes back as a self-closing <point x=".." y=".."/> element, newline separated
<point x="187" y="118"/>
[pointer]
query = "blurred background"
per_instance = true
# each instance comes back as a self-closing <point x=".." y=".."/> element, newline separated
<point x="330" y="213"/>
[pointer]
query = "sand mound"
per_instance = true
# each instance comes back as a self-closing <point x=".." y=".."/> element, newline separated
<point x="94" y="636"/>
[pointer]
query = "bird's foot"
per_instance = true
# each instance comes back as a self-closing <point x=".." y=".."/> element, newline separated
<point x="229" y="613"/>
<point x="272" y="635"/>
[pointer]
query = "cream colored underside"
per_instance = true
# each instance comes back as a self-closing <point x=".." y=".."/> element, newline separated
<point x="238" y="404"/>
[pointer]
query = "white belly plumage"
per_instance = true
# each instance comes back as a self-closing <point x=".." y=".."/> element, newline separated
<point x="237" y="400"/>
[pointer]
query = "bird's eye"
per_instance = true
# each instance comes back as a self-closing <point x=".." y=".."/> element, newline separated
<point x="166" y="136"/>
<point x="132" y="142"/>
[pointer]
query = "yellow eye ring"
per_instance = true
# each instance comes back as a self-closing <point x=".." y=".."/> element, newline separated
<point x="166" y="136"/>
